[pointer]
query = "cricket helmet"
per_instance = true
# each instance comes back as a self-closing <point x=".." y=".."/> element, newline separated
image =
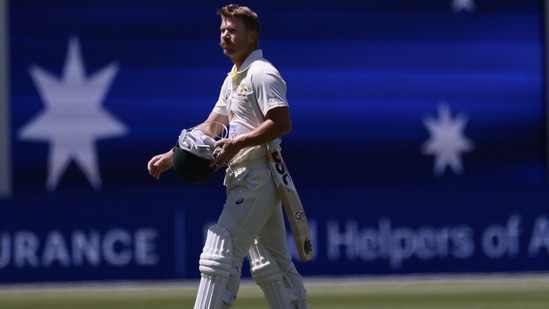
<point x="195" y="149"/>
<point x="191" y="167"/>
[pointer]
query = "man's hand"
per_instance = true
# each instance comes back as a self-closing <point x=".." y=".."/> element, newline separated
<point x="229" y="148"/>
<point x="160" y="163"/>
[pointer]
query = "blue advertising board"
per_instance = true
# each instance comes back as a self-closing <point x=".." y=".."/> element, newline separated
<point x="418" y="143"/>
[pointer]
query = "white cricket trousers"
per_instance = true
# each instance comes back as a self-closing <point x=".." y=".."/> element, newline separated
<point x="253" y="209"/>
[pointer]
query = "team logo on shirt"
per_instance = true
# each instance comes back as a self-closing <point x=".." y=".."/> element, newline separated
<point x="243" y="90"/>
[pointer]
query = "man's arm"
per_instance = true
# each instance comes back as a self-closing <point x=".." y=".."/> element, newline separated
<point x="164" y="161"/>
<point x="277" y="123"/>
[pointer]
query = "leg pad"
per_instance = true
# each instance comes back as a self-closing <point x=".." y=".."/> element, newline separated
<point x="216" y="267"/>
<point x="268" y="275"/>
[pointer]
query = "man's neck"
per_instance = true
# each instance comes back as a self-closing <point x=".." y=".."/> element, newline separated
<point x="239" y="60"/>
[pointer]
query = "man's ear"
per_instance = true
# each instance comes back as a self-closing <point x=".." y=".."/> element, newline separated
<point x="252" y="35"/>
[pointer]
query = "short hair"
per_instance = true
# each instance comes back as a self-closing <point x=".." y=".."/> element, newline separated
<point x="248" y="17"/>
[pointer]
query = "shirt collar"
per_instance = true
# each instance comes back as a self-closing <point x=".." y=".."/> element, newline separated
<point x="253" y="56"/>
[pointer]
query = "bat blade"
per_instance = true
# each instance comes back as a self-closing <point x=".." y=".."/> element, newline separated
<point x="295" y="212"/>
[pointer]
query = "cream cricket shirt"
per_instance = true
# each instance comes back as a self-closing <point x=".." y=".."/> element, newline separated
<point x="246" y="96"/>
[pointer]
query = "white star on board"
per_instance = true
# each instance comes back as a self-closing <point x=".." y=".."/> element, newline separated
<point x="73" y="118"/>
<point x="463" y="5"/>
<point x="446" y="141"/>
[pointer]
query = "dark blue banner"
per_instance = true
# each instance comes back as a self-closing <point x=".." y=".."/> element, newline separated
<point x="418" y="142"/>
<point x="375" y="232"/>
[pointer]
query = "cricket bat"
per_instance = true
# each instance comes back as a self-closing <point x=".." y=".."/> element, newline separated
<point x="292" y="205"/>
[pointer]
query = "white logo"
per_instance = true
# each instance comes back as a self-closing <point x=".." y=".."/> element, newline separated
<point x="447" y="141"/>
<point x="463" y="5"/>
<point x="73" y="118"/>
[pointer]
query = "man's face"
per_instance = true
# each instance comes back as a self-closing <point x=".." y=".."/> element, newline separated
<point x="236" y="41"/>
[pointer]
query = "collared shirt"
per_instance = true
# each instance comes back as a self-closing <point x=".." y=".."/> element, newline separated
<point x="246" y="96"/>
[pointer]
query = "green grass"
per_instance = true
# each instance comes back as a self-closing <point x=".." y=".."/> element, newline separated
<point x="424" y="294"/>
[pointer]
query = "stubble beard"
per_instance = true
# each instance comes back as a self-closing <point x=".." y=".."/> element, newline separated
<point x="227" y="49"/>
